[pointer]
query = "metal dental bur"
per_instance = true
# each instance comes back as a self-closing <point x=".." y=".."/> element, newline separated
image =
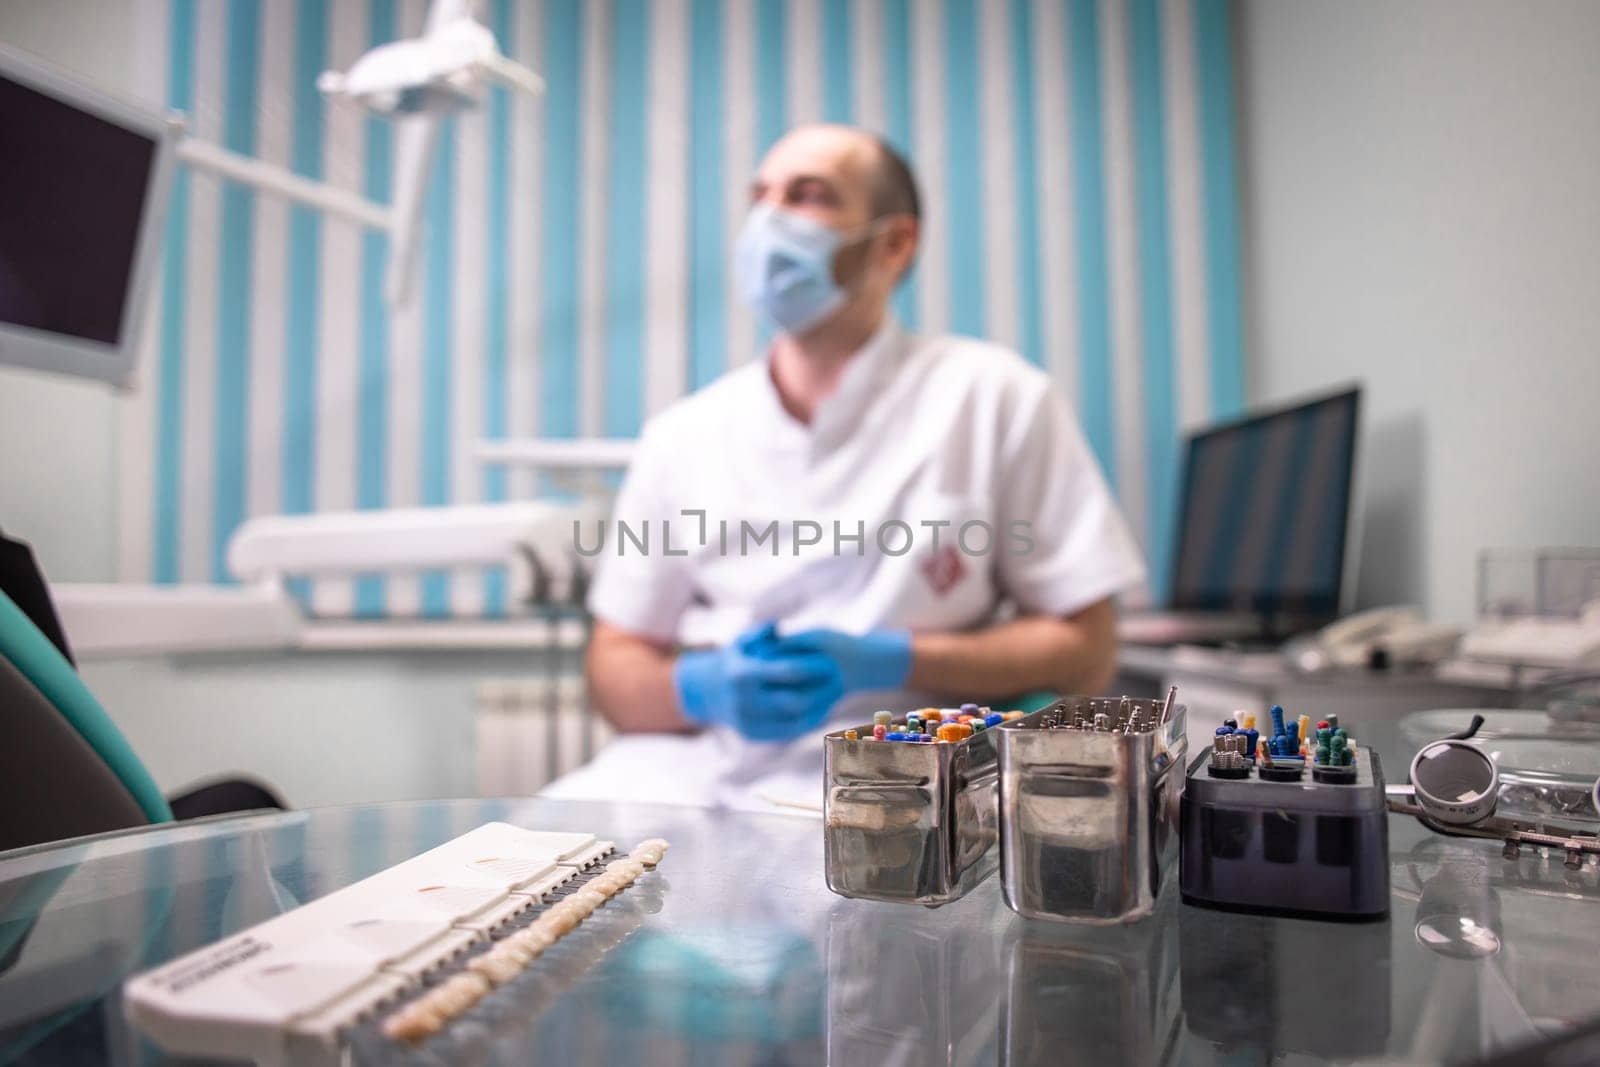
<point x="1139" y="721"/>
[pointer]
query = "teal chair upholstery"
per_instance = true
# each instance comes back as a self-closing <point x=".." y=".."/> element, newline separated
<point x="65" y="768"/>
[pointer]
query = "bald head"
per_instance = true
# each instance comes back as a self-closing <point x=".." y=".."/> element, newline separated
<point x="848" y="179"/>
<point x="871" y="179"/>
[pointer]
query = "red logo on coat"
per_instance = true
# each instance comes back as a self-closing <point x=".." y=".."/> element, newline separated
<point x="944" y="569"/>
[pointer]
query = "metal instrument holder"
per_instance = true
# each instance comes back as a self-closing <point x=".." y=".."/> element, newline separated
<point x="914" y="823"/>
<point x="1089" y="794"/>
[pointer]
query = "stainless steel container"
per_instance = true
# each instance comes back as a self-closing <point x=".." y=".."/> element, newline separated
<point x="1088" y="816"/>
<point x="909" y="822"/>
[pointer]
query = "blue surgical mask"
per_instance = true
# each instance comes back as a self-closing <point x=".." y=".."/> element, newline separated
<point x="784" y="263"/>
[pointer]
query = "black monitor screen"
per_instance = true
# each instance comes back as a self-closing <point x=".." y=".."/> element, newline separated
<point x="72" y="192"/>
<point x="1264" y="513"/>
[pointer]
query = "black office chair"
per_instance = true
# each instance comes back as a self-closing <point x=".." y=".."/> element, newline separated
<point x="65" y="768"/>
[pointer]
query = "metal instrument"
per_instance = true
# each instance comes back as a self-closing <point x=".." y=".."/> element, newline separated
<point x="1457" y="803"/>
<point x="913" y="823"/>
<point x="1089" y="806"/>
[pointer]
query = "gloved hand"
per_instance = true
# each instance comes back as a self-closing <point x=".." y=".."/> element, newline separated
<point x="880" y="659"/>
<point x="756" y="688"/>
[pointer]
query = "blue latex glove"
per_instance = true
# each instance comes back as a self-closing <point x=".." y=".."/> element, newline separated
<point x="880" y="659"/>
<point x="758" y="689"/>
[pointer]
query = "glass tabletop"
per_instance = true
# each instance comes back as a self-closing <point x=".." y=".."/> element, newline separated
<point x="734" y="951"/>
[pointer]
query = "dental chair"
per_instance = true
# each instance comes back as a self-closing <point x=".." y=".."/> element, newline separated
<point x="65" y="768"/>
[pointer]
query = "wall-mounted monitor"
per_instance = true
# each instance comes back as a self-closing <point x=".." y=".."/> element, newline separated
<point x="84" y="185"/>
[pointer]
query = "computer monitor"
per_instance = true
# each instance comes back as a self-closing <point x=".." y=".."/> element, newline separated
<point x="1265" y="515"/>
<point x="84" y="182"/>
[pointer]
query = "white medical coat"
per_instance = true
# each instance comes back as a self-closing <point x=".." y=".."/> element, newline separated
<point x="945" y="478"/>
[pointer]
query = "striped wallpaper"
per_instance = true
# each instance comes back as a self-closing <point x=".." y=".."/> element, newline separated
<point x="1077" y="160"/>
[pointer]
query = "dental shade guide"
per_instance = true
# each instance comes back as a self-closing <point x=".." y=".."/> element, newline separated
<point x="411" y="948"/>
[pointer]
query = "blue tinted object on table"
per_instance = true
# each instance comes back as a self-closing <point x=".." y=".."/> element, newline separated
<point x="750" y="982"/>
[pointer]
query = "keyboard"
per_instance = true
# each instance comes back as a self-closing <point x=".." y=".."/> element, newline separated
<point x="410" y="949"/>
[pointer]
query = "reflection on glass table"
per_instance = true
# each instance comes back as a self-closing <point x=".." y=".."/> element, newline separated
<point x="735" y="952"/>
<point x="1087" y="995"/>
<point x="913" y="986"/>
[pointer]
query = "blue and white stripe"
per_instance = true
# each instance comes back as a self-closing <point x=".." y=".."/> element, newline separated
<point x="590" y="207"/>
<point x="1078" y="165"/>
<point x="665" y="345"/>
<point x="740" y="151"/>
<point x="193" y="505"/>
<point x="523" y="234"/>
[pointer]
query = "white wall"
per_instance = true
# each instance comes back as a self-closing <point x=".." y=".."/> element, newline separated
<point x="320" y="728"/>
<point x="58" y="436"/>
<point x="1421" y="194"/>
<point x="58" y="472"/>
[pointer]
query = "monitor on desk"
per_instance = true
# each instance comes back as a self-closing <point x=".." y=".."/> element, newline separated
<point x="83" y="192"/>
<point x="1266" y="504"/>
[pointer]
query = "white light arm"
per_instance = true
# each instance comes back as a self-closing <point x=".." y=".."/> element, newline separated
<point x="557" y="454"/>
<point x="415" y="136"/>
<point x="511" y="74"/>
<point x="278" y="181"/>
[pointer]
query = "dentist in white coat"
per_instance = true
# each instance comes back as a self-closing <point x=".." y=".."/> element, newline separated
<point x="864" y="518"/>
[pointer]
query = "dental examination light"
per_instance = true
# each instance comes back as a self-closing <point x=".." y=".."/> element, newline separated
<point x="419" y="83"/>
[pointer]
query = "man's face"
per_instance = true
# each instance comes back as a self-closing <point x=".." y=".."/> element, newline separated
<point x="826" y="173"/>
<point x="822" y="172"/>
